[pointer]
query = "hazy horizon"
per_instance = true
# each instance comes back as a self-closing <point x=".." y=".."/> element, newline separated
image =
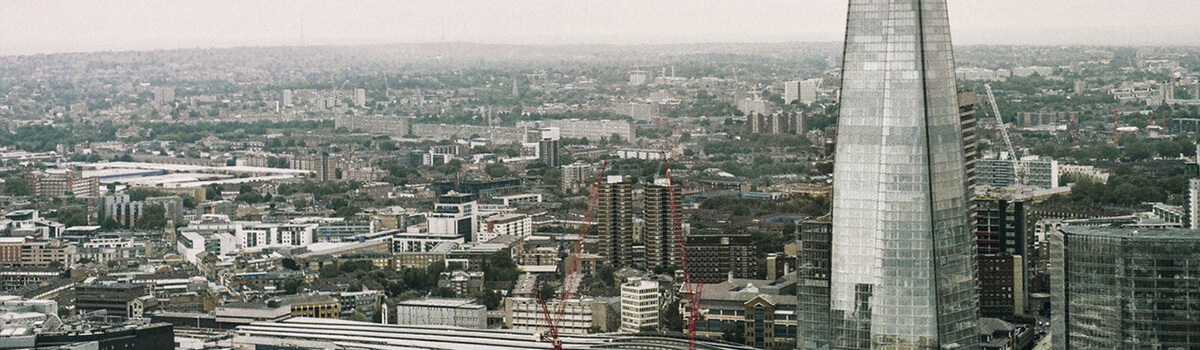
<point x="34" y="27"/>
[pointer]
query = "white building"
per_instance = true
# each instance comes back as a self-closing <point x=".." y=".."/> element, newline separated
<point x="454" y="215"/>
<point x="442" y="312"/>
<point x="809" y="90"/>
<point x="791" y="91"/>
<point x="505" y="224"/>
<point x="639" y="77"/>
<point x="576" y="176"/>
<point x="360" y="97"/>
<point x="639" y="305"/>
<point x="525" y="314"/>
<point x="593" y="130"/>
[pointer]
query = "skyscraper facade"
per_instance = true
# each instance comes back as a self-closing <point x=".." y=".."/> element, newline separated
<point x="660" y="231"/>
<point x="902" y="251"/>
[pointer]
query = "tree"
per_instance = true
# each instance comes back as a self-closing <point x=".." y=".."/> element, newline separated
<point x="72" y="216"/>
<point x="497" y="170"/>
<point x="292" y="285"/>
<point x="17" y="186"/>
<point x="154" y="217"/>
<point x="329" y="271"/>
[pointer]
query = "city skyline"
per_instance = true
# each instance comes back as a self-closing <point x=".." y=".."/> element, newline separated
<point x="37" y="27"/>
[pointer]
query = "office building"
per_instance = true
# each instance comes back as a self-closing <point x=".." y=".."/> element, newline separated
<point x="902" y="251"/>
<point x="525" y="314"/>
<point x="719" y="256"/>
<point x="548" y="152"/>
<point x="117" y="299"/>
<point x="761" y="311"/>
<point x="662" y="224"/>
<point x="1192" y="206"/>
<point x="614" y="221"/>
<point x="640" y="302"/>
<point x="441" y="312"/>
<point x="454" y="215"/>
<point x="813" y="275"/>
<point x="1124" y="288"/>
<point x="1001" y="225"/>
<point x="1002" y="286"/>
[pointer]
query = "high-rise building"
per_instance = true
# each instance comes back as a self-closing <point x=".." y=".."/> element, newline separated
<point x="121" y="210"/>
<point x="1124" y="288"/>
<point x="902" y="251"/>
<point x="808" y="90"/>
<point x="967" y="102"/>
<point x="812" y="272"/>
<point x="360" y="97"/>
<point x="778" y="123"/>
<point x="791" y="91"/>
<point x="659" y="231"/>
<point x="548" y="152"/>
<point x="998" y="171"/>
<point x="614" y="221"/>
<point x="1003" y="243"/>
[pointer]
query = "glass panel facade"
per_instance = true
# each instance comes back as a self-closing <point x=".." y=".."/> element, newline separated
<point x="1125" y="288"/>
<point x="902" y="272"/>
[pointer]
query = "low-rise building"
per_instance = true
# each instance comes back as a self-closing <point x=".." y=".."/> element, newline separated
<point x="442" y="312"/>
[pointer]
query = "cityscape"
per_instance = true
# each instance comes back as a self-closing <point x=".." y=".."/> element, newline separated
<point x="891" y="188"/>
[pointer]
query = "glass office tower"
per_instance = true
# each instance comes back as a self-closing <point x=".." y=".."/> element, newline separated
<point x="902" y="270"/>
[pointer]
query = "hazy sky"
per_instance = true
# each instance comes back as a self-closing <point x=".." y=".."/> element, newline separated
<point x="42" y="26"/>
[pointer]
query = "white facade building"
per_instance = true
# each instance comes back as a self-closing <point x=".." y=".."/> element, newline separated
<point x="639" y="305"/>
<point x="442" y="312"/>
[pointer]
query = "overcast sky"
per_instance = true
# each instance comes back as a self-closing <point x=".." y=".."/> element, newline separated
<point x="40" y="26"/>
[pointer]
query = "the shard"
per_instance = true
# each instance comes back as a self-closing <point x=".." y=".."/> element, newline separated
<point x="901" y="268"/>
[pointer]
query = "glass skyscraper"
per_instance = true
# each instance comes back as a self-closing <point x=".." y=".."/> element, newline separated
<point x="902" y="255"/>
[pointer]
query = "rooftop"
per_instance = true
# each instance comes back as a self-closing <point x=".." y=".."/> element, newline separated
<point x="1135" y="233"/>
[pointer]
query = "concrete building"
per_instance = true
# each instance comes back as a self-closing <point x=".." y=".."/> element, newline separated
<point x="60" y="182"/>
<point x="525" y="314"/>
<point x="639" y="77"/>
<point x="640" y="303"/>
<point x="719" y="256"/>
<point x="442" y="312"/>
<point x="360" y="97"/>
<point x="778" y="123"/>
<point x="121" y="210"/>
<point x="548" y="150"/>
<point x="455" y="215"/>
<point x="577" y="176"/>
<point x="809" y="90"/>
<point x="1124" y="288"/>
<point x="791" y="91"/>
<point x="662" y="224"/>
<point x="520" y="225"/>
<point x="997" y="171"/>
<point x="902" y="252"/>
<point x="395" y="126"/>
<point x="593" y="130"/>
<point x="614" y="221"/>
<point x="117" y="299"/>
<point x="968" y="102"/>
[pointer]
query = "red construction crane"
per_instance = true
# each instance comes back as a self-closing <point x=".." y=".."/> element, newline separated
<point x="693" y="291"/>
<point x="554" y="320"/>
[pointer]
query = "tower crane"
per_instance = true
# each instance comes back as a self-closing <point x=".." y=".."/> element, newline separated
<point x="554" y="317"/>
<point x="693" y="290"/>
<point x="1016" y="161"/>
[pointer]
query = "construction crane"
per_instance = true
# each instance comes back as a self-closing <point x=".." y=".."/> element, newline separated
<point x="693" y="291"/>
<point x="1016" y="161"/>
<point x="554" y="319"/>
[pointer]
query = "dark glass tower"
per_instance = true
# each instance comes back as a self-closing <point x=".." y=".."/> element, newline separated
<point x="902" y="272"/>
